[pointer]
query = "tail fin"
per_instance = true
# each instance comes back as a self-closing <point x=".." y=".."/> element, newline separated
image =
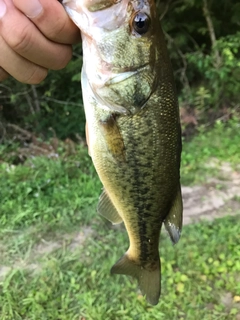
<point x="148" y="280"/>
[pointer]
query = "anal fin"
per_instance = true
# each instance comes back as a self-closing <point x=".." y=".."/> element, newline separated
<point x="173" y="222"/>
<point x="107" y="210"/>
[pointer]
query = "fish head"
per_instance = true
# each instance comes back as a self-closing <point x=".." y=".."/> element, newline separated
<point x="119" y="46"/>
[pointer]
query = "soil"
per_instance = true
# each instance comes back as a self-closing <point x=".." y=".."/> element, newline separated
<point x="214" y="199"/>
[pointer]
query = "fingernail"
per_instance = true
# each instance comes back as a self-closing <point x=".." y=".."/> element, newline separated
<point x="3" y="8"/>
<point x="31" y="9"/>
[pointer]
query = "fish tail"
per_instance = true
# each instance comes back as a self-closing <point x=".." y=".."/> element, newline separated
<point x="148" y="280"/>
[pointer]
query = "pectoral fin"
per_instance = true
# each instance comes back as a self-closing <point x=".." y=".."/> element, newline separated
<point x="113" y="138"/>
<point x="173" y="222"/>
<point x="87" y="139"/>
<point x="107" y="209"/>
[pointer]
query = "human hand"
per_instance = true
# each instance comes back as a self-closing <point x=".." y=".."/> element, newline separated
<point x="35" y="36"/>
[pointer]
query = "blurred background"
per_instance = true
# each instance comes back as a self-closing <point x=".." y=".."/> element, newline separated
<point x="56" y="253"/>
<point x="203" y="43"/>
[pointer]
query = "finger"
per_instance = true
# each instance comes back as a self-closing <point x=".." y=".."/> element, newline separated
<point x="23" y="37"/>
<point x="18" y="67"/>
<point x="3" y="74"/>
<point x="51" y="19"/>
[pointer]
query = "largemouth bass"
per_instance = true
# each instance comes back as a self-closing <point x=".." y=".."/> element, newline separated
<point x="133" y="127"/>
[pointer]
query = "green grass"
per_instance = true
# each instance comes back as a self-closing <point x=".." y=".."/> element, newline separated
<point x="56" y="191"/>
<point x="221" y="143"/>
<point x="75" y="283"/>
<point x="59" y="252"/>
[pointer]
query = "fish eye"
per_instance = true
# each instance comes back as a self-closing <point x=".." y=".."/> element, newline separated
<point x="141" y="22"/>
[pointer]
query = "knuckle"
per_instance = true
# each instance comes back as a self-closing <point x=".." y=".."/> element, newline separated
<point x="20" y="39"/>
<point x="57" y="30"/>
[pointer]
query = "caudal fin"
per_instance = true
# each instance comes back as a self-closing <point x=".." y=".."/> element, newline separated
<point x="148" y="280"/>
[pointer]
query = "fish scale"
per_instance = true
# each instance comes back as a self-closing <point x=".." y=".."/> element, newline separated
<point x="134" y="134"/>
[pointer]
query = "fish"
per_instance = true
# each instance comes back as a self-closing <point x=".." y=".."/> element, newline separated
<point x="133" y="128"/>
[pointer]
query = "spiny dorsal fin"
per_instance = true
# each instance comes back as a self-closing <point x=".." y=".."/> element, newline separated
<point x="107" y="209"/>
<point x="148" y="280"/>
<point x="173" y="222"/>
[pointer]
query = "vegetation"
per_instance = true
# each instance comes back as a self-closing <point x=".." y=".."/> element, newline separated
<point x="73" y="282"/>
<point x="215" y="146"/>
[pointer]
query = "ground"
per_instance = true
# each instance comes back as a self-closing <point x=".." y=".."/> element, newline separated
<point x="46" y="267"/>
<point x="213" y="199"/>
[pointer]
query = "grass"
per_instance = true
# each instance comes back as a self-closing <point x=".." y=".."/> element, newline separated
<point x="199" y="156"/>
<point x="56" y="252"/>
<point x="74" y="283"/>
<point x="56" y="191"/>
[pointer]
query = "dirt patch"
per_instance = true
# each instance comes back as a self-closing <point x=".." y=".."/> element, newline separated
<point x="4" y="270"/>
<point x="71" y="240"/>
<point x="80" y="237"/>
<point x="216" y="198"/>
